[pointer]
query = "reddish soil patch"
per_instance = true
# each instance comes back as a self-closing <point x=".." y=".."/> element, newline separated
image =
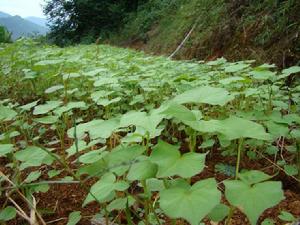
<point x="62" y="199"/>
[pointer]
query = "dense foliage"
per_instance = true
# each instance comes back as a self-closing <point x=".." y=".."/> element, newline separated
<point x="137" y="132"/>
<point x="81" y="20"/>
<point x="5" y="36"/>
<point x="265" y="30"/>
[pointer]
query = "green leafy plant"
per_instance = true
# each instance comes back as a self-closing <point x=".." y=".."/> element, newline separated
<point x="141" y="134"/>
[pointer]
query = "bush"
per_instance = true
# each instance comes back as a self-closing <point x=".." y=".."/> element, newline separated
<point x="5" y="36"/>
<point x="137" y="24"/>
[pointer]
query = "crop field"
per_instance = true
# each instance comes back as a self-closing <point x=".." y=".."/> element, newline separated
<point x="100" y="135"/>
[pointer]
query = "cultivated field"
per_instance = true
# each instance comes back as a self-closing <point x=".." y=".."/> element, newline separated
<point x="95" y="134"/>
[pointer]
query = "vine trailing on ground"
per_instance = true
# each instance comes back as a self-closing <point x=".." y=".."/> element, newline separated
<point x="136" y="133"/>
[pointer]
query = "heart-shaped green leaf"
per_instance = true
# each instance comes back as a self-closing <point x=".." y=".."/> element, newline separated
<point x="253" y="199"/>
<point x="263" y="74"/>
<point x="171" y="163"/>
<point x="286" y="216"/>
<point x="7" y="213"/>
<point x="268" y="221"/>
<point x="33" y="156"/>
<point x="69" y="106"/>
<point x="92" y="156"/>
<point x="121" y="203"/>
<point x="53" y="89"/>
<point x="206" y="94"/>
<point x="291" y="170"/>
<point x="254" y="177"/>
<point x="29" y="106"/>
<point x="5" y="149"/>
<point x="47" y="119"/>
<point x="180" y="112"/>
<point x="105" y="102"/>
<point x="287" y="72"/>
<point x="235" y="67"/>
<point x="33" y="176"/>
<point x="143" y="121"/>
<point x="104" y="188"/>
<point x="95" y="128"/>
<point x="233" y="128"/>
<point x="191" y="203"/>
<point x="219" y="213"/>
<point x="120" y="158"/>
<point x="142" y="170"/>
<point x="230" y="80"/>
<point x="74" y="218"/>
<point x="82" y="145"/>
<point x="45" y="108"/>
<point x="6" y="113"/>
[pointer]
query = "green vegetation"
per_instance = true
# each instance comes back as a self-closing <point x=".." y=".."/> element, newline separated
<point x="5" y="36"/>
<point x="263" y="30"/>
<point x="82" y="21"/>
<point x="137" y="133"/>
<point x="267" y="31"/>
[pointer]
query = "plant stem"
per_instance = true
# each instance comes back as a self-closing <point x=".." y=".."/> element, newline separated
<point x="173" y="221"/>
<point x="192" y="140"/>
<point x="76" y="140"/>
<point x="298" y="158"/>
<point x="147" y="143"/>
<point x="231" y="211"/>
<point x="106" y="215"/>
<point x="270" y="104"/>
<point x="128" y="216"/>
<point x="238" y="161"/>
<point x="237" y="168"/>
<point x="155" y="214"/>
<point x="146" y="204"/>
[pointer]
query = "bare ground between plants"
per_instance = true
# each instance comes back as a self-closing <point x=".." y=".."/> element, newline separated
<point x="62" y="199"/>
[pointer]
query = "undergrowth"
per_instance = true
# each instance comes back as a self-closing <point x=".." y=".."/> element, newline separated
<point x="265" y="30"/>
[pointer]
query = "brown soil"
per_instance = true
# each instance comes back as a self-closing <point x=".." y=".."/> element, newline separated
<point x="62" y="199"/>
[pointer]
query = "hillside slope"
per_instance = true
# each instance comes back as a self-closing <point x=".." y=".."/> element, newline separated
<point x="20" y="27"/>
<point x="3" y="15"/>
<point x="37" y="20"/>
<point x="243" y="29"/>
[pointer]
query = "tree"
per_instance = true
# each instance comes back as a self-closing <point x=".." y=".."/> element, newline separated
<point x="75" y="20"/>
<point x="5" y="36"/>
